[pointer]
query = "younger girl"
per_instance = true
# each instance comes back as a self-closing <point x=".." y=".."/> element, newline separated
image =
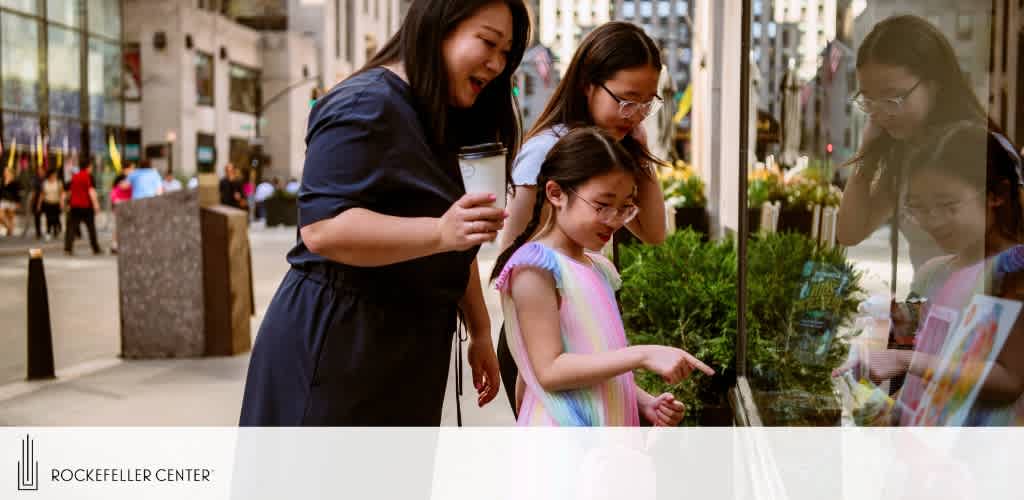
<point x="558" y="296"/>
<point x="611" y="83"/>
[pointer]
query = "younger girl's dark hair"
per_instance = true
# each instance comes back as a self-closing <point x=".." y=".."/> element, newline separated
<point x="580" y="155"/>
<point x="606" y="50"/>
<point x="913" y="43"/>
<point x="959" y="149"/>
<point x="418" y="46"/>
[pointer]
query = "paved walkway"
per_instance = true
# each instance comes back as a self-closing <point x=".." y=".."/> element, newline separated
<point x="187" y="392"/>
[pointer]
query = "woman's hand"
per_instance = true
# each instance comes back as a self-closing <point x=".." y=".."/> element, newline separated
<point x="671" y="363"/>
<point x="484" y="365"/>
<point x="663" y="411"/>
<point x="470" y="222"/>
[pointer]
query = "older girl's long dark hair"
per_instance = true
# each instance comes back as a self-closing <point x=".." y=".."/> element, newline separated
<point x="583" y="153"/>
<point x="913" y="43"/>
<point x="606" y="50"/>
<point x="418" y="45"/>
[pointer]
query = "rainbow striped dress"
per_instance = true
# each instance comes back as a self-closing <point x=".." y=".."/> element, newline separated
<point x="590" y="323"/>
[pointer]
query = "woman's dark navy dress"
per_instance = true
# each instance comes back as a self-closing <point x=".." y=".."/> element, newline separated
<point x="344" y="345"/>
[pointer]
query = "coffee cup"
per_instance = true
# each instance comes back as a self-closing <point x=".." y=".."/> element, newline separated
<point x="483" y="170"/>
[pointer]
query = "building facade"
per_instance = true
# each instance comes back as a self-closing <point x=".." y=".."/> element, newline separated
<point x="221" y="82"/>
<point x="61" y="81"/>
<point x="563" y="23"/>
<point x="670" y="24"/>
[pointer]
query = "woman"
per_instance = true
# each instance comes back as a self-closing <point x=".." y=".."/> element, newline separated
<point x="51" y="203"/>
<point x="360" y="330"/>
<point x="611" y="83"/>
<point x="910" y="86"/>
<point x="10" y="200"/>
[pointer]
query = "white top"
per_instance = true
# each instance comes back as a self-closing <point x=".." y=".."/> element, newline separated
<point x="172" y="185"/>
<point x="263" y="191"/>
<point x="526" y="168"/>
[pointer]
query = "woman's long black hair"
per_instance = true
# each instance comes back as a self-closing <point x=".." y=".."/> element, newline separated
<point x="418" y="46"/>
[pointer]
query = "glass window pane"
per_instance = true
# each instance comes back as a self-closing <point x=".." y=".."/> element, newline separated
<point x="204" y="79"/>
<point x="65" y="136"/>
<point x="20" y="68"/>
<point x="65" y="72"/>
<point x="628" y="10"/>
<point x="105" y="17"/>
<point x="646" y="9"/>
<point x="28" y="6"/>
<point x="245" y="89"/>
<point x="104" y="81"/>
<point x="21" y="132"/>
<point x="64" y="11"/>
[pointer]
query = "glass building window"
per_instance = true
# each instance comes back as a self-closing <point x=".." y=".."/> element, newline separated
<point x="65" y="135"/>
<point x="105" y="18"/>
<point x="66" y="12"/>
<point x="22" y="128"/>
<point x="772" y="29"/>
<point x="105" y="68"/>
<point x="628" y="10"/>
<point x="664" y="8"/>
<point x="20" y="62"/>
<point x="204" y="79"/>
<point x="245" y="89"/>
<point x="755" y="30"/>
<point x="646" y="9"/>
<point x="65" y="71"/>
<point x="27" y="6"/>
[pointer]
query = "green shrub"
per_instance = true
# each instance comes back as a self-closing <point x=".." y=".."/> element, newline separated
<point x="683" y="293"/>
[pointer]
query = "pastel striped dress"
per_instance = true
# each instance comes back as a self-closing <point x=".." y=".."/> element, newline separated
<point x="590" y="323"/>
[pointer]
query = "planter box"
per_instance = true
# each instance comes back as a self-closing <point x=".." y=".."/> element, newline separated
<point x="797" y="220"/>
<point x="695" y="218"/>
<point x="798" y="409"/>
<point x="282" y="212"/>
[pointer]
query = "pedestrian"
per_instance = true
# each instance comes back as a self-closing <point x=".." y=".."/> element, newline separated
<point x="292" y="187"/>
<point x="360" y="331"/>
<point x="35" y="201"/>
<point x="263" y="192"/>
<point x="558" y="295"/>
<point x="146" y="182"/>
<point x="171" y="183"/>
<point x="611" y="83"/>
<point x="120" y="192"/>
<point x="231" y="189"/>
<point x="84" y="205"/>
<point x="911" y="85"/>
<point x="10" y="200"/>
<point x="51" y="203"/>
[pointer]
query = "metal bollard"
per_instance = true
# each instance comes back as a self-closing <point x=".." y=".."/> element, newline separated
<point x="40" y="336"/>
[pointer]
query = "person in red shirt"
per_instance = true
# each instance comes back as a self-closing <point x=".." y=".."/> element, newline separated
<point x="84" y="204"/>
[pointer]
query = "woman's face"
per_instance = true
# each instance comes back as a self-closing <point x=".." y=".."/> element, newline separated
<point x="639" y="85"/>
<point x="881" y="82"/>
<point x="951" y="210"/>
<point x="475" y="52"/>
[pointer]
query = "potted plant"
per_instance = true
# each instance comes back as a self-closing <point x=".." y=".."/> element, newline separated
<point x="803" y="193"/>
<point x="282" y="209"/>
<point x="693" y="306"/>
<point x="763" y="186"/>
<point x="684" y="192"/>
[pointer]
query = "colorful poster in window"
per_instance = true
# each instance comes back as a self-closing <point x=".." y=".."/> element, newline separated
<point x="815" y="311"/>
<point x="965" y="361"/>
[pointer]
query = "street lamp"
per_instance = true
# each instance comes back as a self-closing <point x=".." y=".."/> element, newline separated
<point x="171" y="137"/>
<point x="257" y="142"/>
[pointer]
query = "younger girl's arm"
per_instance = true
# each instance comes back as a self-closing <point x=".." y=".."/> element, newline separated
<point x="536" y="300"/>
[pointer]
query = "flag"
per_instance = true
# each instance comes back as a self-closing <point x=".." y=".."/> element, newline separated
<point x="14" y="151"/>
<point x="115" y="157"/>
<point x="39" y="150"/>
<point x="685" y="103"/>
<point x="543" y="62"/>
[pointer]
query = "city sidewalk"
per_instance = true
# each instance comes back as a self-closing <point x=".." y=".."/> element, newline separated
<point x="21" y="241"/>
<point x="194" y="392"/>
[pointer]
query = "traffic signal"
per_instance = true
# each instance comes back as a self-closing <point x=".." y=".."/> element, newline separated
<point x="828" y="148"/>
